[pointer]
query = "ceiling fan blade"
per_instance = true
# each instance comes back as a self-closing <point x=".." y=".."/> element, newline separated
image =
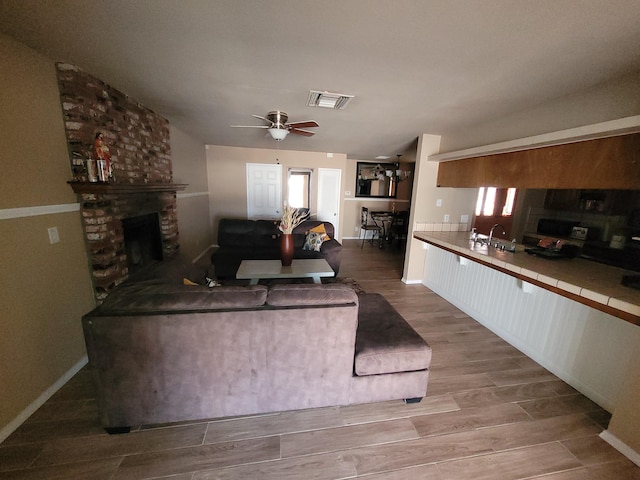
<point x="305" y="124"/>
<point x="306" y="133"/>
<point x="249" y="126"/>
<point x="263" y="118"/>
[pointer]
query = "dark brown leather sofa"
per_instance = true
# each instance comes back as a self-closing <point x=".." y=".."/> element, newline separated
<point x="240" y="239"/>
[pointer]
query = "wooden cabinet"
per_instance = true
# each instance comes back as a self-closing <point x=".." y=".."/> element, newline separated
<point x="604" y="163"/>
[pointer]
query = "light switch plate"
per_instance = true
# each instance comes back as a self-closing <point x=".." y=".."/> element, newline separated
<point x="54" y="237"/>
<point x="446" y="218"/>
<point x="464" y="218"/>
<point x="439" y="202"/>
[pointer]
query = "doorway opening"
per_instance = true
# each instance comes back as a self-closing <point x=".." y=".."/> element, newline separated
<point x="299" y="187"/>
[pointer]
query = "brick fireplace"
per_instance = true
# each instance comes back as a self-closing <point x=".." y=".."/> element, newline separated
<point x="103" y="209"/>
<point x="142" y="183"/>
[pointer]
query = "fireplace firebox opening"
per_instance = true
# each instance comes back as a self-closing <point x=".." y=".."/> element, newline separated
<point x="142" y="241"/>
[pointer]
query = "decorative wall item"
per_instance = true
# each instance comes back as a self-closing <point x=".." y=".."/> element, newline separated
<point x="103" y="158"/>
<point x="372" y="180"/>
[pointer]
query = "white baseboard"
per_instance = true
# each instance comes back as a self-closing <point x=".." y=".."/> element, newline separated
<point x="622" y="447"/>
<point x="13" y="425"/>
<point x="411" y="282"/>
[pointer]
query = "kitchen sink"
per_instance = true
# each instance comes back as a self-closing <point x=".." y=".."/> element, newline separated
<point x="499" y="245"/>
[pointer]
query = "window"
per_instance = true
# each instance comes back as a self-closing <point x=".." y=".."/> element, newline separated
<point x="488" y="197"/>
<point x="510" y="201"/>
<point x="298" y="187"/>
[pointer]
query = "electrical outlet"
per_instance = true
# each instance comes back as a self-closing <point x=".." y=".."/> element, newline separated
<point x="54" y="237"/>
<point x="439" y="202"/>
<point x="464" y="218"/>
<point x="446" y="218"/>
<point x="356" y="229"/>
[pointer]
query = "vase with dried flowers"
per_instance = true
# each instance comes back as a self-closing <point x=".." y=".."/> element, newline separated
<point x="291" y="218"/>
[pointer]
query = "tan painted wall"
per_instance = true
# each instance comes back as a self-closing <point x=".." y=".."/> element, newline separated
<point x="455" y="202"/>
<point x="189" y="161"/>
<point x="33" y="155"/>
<point x="228" y="178"/>
<point x="44" y="289"/>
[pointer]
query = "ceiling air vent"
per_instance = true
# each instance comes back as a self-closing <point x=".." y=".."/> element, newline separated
<point x="336" y="101"/>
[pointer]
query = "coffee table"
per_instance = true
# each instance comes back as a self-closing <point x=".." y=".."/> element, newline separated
<point x="313" y="268"/>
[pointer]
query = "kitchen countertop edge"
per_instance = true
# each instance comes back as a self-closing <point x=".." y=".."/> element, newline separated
<point x="590" y="283"/>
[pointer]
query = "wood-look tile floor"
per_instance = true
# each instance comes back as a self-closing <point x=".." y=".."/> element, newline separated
<point x="490" y="413"/>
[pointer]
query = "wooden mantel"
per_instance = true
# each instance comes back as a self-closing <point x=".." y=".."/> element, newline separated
<point x="124" y="188"/>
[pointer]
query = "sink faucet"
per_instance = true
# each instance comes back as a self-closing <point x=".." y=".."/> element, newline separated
<point x="504" y="232"/>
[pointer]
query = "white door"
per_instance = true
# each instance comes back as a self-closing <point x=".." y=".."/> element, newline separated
<point x="329" y="196"/>
<point x="264" y="191"/>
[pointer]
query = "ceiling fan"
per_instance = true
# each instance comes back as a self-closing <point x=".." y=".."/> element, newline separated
<point x="279" y="128"/>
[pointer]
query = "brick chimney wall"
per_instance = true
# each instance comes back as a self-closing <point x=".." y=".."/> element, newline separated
<point x="139" y="144"/>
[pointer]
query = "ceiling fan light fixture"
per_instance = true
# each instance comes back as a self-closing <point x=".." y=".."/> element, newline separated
<point x="336" y="101"/>
<point x="278" y="134"/>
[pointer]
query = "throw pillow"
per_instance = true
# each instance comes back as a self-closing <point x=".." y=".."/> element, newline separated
<point x="314" y="241"/>
<point x="320" y="229"/>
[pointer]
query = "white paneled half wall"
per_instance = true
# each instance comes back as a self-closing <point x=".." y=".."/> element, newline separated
<point x="588" y="349"/>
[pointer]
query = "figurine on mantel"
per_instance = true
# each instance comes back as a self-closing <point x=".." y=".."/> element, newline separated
<point x="101" y="151"/>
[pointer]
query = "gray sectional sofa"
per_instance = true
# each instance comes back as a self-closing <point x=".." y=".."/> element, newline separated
<point x="241" y="239"/>
<point x="165" y="352"/>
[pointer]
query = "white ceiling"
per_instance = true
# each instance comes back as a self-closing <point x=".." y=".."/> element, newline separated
<point x="414" y="66"/>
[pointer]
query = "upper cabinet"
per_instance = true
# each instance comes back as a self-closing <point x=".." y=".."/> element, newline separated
<point x="603" y="163"/>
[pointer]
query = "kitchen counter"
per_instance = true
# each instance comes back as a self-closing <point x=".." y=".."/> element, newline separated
<point x="590" y="283"/>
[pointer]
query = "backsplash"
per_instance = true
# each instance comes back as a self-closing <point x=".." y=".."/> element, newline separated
<point x="440" y="227"/>
<point x="606" y="224"/>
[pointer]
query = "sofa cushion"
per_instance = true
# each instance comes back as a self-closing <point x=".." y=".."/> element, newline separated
<point x="314" y="241"/>
<point x="288" y="295"/>
<point x="385" y="342"/>
<point x="266" y="234"/>
<point x="321" y="229"/>
<point x="235" y="233"/>
<point x="307" y="225"/>
<point x="152" y="297"/>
